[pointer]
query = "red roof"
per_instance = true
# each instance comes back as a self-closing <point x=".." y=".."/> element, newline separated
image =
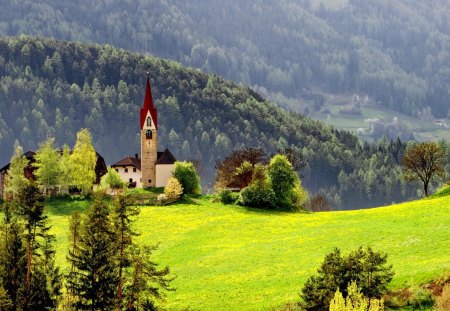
<point x="149" y="106"/>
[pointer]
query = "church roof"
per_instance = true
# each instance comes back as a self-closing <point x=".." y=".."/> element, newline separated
<point x="165" y="157"/>
<point x="149" y="106"/>
<point x="129" y="161"/>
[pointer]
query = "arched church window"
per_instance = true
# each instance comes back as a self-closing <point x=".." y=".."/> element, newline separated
<point x="149" y="121"/>
<point x="148" y="134"/>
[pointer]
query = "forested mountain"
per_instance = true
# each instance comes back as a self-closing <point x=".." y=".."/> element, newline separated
<point x="55" y="88"/>
<point x="395" y="51"/>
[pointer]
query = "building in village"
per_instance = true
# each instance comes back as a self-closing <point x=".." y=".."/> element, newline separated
<point x="152" y="168"/>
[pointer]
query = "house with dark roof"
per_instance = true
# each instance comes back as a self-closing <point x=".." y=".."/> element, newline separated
<point x="153" y="168"/>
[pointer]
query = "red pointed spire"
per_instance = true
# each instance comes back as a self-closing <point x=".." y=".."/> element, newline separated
<point x="148" y="105"/>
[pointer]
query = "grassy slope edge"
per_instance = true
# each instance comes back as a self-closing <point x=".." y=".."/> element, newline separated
<point x="229" y="258"/>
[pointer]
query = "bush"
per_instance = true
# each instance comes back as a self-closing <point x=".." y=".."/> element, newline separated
<point x="173" y="190"/>
<point x="111" y="180"/>
<point x="228" y="197"/>
<point x="355" y="301"/>
<point x="186" y="174"/>
<point x="366" y="267"/>
<point x="253" y="196"/>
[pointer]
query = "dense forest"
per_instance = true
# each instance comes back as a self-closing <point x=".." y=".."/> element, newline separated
<point x="54" y="88"/>
<point x="396" y="52"/>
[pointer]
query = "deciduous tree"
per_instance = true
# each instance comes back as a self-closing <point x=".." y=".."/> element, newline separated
<point x="424" y="162"/>
<point x="83" y="159"/>
<point x="47" y="165"/>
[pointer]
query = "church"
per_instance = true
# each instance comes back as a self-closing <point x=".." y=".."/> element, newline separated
<point x="152" y="168"/>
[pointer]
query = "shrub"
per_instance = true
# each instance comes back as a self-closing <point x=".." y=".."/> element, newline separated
<point x="173" y="190"/>
<point x="355" y="301"/>
<point x="366" y="267"/>
<point x="228" y="197"/>
<point x="186" y="174"/>
<point x="253" y="196"/>
<point x="111" y="180"/>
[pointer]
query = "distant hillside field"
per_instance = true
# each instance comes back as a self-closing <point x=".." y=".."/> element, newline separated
<point x="232" y="258"/>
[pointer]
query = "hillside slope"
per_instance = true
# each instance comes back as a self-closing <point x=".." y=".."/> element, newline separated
<point x="394" y="51"/>
<point x="232" y="258"/>
<point x="51" y="87"/>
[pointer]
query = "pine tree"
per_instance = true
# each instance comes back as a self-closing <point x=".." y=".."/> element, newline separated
<point x="39" y="256"/>
<point x="93" y="280"/>
<point x="123" y="215"/>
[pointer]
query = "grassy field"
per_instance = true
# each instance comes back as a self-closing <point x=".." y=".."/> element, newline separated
<point x="232" y="258"/>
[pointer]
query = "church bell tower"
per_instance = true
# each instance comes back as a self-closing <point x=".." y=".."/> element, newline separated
<point x="149" y="138"/>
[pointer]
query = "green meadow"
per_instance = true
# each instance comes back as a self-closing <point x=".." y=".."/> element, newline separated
<point x="228" y="257"/>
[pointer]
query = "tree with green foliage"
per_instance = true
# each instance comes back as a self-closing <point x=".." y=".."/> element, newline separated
<point x="285" y="183"/>
<point x="424" y="162"/>
<point x="13" y="260"/>
<point x="83" y="159"/>
<point x="259" y="193"/>
<point x="187" y="175"/>
<point x="364" y="266"/>
<point x="112" y="180"/>
<point x="123" y="217"/>
<point x="93" y="280"/>
<point x="42" y="278"/>
<point x="15" y="179"/>
<point x="65" y="169"/>
<point x="47" y="165"/>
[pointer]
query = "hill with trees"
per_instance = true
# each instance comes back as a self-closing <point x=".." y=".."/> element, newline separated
<point x="54" y="88"/>
<point x="304" y="54"/>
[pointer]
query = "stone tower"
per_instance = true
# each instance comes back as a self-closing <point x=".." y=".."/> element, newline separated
<point x="149" y="139"/>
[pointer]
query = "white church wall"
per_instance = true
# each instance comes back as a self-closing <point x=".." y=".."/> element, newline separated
<point x="163" y="174"/>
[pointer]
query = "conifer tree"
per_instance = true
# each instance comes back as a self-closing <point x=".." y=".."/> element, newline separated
<point x="31" y="210"/>
<point x="93" y="280"/>
<point x="12" y="259"/>
<point x="123" y="215"/>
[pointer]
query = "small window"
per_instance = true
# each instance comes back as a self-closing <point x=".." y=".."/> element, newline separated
<point x="126" y="170"/>
<point x="149" y="134"/>
<point x="149" y="121"/>
<point x="117" y="170"/>
<point x="150" y="181"/>
<point x="131" y="179"/>
<point x="134" y="170"/>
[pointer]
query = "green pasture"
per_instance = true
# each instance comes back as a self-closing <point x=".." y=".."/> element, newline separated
<point x="232" y="258"/>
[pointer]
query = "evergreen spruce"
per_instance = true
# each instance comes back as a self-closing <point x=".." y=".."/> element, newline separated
<point x="94" y="280"/>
